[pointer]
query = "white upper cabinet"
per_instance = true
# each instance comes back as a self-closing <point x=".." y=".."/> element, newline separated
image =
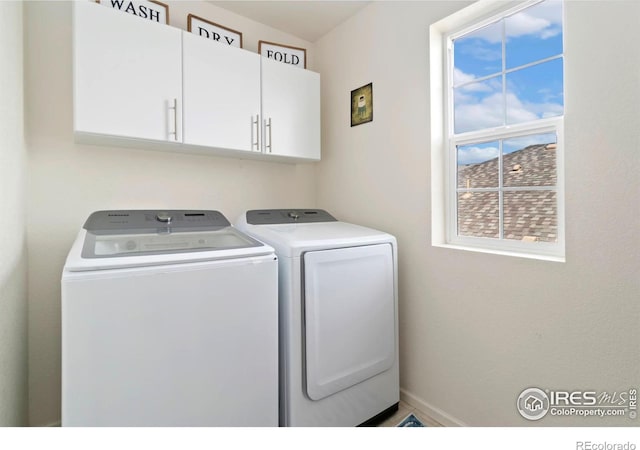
<point x="127" y="75"/>
<point x="221" y="95"/>
<point x="148" y="85"/>
<point x="291" y="110"/>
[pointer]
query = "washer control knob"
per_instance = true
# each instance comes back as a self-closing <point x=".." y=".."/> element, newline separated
<point x="164" y="217"/>
<point x="294" y="215"/>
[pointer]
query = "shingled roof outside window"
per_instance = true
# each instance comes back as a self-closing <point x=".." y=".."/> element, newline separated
<point x="529" y="215"/>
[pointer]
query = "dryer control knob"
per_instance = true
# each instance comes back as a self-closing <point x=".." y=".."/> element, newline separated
<point x="294" y="215"/>
<point x="164" y="217"/>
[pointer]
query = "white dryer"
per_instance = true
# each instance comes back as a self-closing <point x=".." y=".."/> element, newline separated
<point x="338" y="317"/>
<point x="169" y="318"/>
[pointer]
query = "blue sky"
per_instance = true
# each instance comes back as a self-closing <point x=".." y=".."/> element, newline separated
<point x="533" y="92"/>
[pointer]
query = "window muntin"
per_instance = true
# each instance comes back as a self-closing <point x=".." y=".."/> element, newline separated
<point x="535" y="92"/>
<point x="512" y="195"/>
<point x="506" y="95"/>
<point x="533" y="34"/>
<point x="510" y="71"/>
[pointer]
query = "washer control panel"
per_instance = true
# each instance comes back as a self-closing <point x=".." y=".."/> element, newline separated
<point x="128" y="221"/>
<point x="164" y="217"/>
<point x="276" y="216"/>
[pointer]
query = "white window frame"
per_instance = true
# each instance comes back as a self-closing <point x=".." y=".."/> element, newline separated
<point x="444" y="143"/>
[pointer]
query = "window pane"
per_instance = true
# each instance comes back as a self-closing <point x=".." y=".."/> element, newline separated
<point x="478" y="214"/>
<point x="478" y="54"/>
<point x="531" y="216"/>
<point x="529" y="161"/>
<point x="478" y="165"/>
<point x="535" y="92"/>
<point x="479" y="105"/>
<point x="534" y="34"/>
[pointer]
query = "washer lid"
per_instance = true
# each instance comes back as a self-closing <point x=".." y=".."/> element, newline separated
<point x="117" y="239"/>
<point x="130" y="244"/>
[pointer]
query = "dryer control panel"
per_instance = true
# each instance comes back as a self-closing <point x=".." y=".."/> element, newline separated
<point x="276" y="216"/>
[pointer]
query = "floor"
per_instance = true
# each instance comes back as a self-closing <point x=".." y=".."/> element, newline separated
<point x="404" y="409"/>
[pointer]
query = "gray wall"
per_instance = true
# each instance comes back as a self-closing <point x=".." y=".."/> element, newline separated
<point x="13" y="260"/>
<point x="477" y="329"/>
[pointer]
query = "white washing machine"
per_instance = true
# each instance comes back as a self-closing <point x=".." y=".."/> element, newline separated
<point x="169" y="318"/>
<point x="338" y="317"/>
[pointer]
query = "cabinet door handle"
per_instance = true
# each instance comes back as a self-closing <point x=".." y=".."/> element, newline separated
<point x="257" y="123"/>
<point x="175" y="119"/>
<point x="267" y="124"/>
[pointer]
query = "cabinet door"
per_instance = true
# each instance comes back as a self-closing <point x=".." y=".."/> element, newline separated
<point x="127" y="75"/>
<point x="291" y="109"/>
<point x="221" y="95"/>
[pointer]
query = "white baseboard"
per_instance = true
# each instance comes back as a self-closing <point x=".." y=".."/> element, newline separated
<point x="435" y="413"/>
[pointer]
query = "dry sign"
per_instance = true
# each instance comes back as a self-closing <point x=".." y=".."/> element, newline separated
<point x="213" y="31"/>
<point x="289" y="55"/>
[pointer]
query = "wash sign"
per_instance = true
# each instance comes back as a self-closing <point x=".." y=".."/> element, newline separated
<point x="150" y="10"/>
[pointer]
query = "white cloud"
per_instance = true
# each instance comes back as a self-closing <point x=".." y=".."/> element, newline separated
<point x="474" y="155"/>
<point x="523" y="24"/>
<point x="491" y="33"/>
<point x="480" y="50"/>
<point x="518" y="111"/>
<point x="483" y="113"/>
<point x="490" y="85"/>
<point x="473" y="113"/>
<point x="550" y="10"/>
<point x="545" y="108"/>
<point x="460" y="77"/>
<point x="543" y="20"/>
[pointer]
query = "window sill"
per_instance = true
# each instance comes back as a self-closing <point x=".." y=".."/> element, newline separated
<point x="560" y="259"/>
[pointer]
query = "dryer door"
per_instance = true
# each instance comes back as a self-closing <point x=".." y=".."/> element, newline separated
<point x="349" y="311"/>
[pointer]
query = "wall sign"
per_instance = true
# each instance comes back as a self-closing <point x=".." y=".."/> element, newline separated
<point x="145" y="9"/>
<point x="362" y="105"/>
<point x="213" y="31"/>
<point x="284" y="53"/>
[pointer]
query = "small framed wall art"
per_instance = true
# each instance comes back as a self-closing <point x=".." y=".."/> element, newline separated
<point x="145" y="9"/>
<point x="362" y="105"/>
<point x="294" y="56"/>
<point x="213" y="31"/>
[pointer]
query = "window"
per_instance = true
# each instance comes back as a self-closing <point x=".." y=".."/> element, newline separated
<point x="499" y="145"/>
